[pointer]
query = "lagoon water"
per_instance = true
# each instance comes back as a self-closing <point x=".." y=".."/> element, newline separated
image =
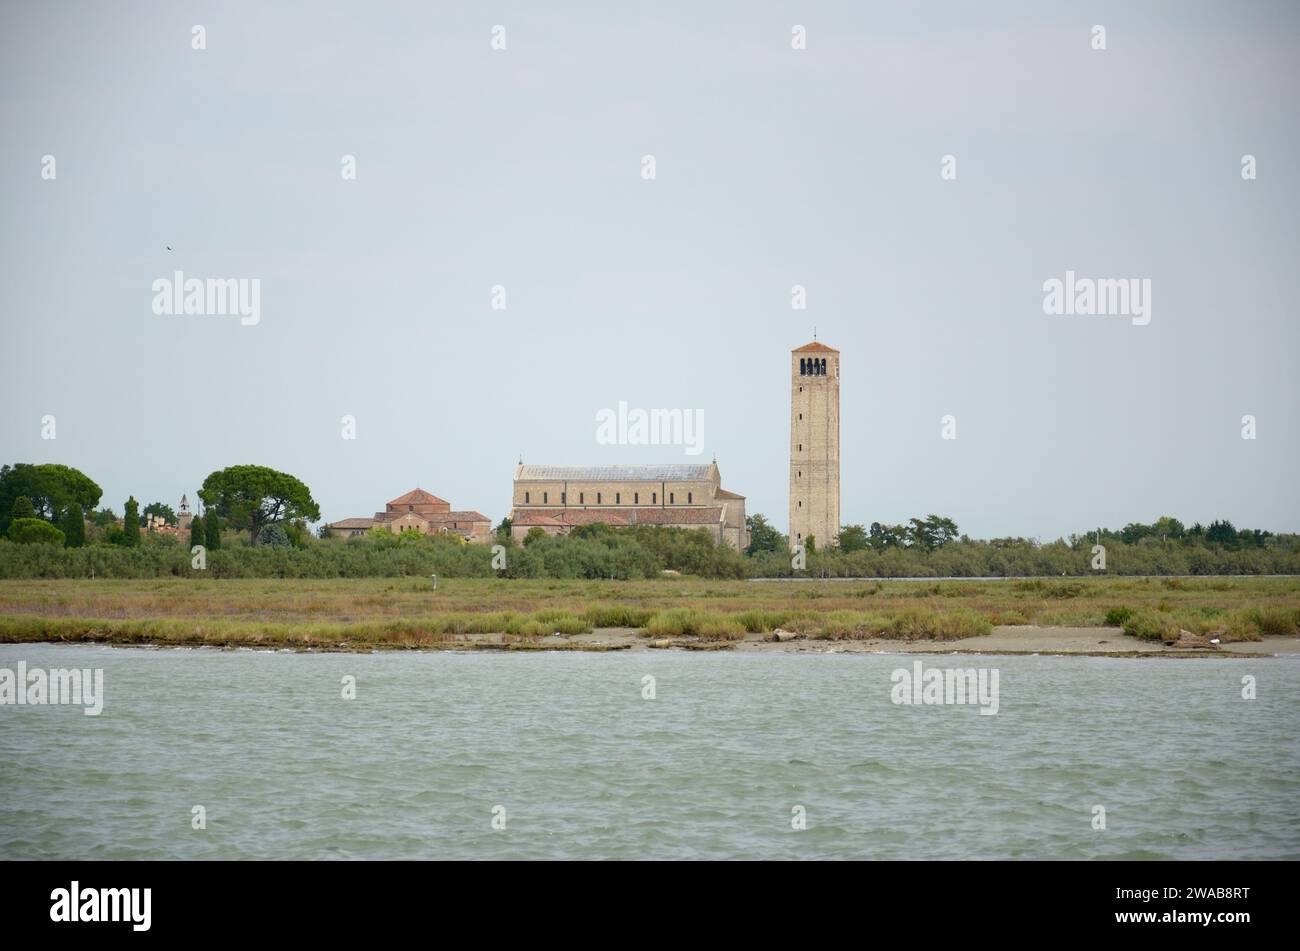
<point x="584" y="767"/>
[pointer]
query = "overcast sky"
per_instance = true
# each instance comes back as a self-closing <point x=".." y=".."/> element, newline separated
<point x="774" y="167"/>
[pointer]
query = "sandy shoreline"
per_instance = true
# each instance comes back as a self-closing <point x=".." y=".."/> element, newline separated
<point x="1019" y="639"/>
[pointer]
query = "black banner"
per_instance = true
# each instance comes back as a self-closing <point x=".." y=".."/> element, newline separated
<point x="964" y="901"/>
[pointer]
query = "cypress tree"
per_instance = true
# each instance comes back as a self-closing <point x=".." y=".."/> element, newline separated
<point x="196" y="531"/>
<point x="74" y="526"/>
<point x="131" y="522"/>
<point x="23" y="508"/>
<point x="212" y="529"/>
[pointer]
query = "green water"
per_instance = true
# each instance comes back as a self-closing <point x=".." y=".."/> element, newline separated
<point x="582" y="766"/>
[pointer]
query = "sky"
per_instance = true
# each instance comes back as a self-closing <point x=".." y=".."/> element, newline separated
<point x="523" y="168"/>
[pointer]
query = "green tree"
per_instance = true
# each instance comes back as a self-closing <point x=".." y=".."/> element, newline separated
<point x="763" y="536"/>
<point x="941" y="530"/>
<point x="211" y="529"/>
<point x="273" y="536"/>
<point x="50" y="487"/>
<point x="22" y="508"/>
<point x="298" y="532"/>
<point x="503" y="534"/>
<point x="853" y="538"/>
<point x="34" y="531"/>
<point x="1167" y="528"/>
<point x="196" y="532"/>
<point x="73" y="526"/>
<point x="1134" y="532"/>
<point x="1221" y="533"/>
<point x="810" y="545"/>
<point x="251" y="498"/>
<point x="104" y="518"/>
<point x="131" y="522"/>
<point x="887" y="536"/>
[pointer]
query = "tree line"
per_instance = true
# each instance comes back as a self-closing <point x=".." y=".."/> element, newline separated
<point x="50" y="527"/>
<point x="55" y="505"/>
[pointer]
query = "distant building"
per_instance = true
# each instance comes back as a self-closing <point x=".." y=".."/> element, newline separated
<point x="815" y="445"/>
<point x="184" y="517"/>
<point x="419" y="511"/>
<point x="557" y="498"/>
<point x="158" y="525"/>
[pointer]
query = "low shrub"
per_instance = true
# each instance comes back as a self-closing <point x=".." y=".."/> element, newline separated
<point x="1150" y="626"/>
<point x="1116" y="617"/>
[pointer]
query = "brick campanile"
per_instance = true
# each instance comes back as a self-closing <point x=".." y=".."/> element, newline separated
<point x="815" y="445"/>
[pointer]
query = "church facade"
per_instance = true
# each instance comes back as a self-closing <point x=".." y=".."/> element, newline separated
<point x="558" y="498"/>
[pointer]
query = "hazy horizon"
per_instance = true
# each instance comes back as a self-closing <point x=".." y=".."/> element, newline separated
<point x="478" y="167"/>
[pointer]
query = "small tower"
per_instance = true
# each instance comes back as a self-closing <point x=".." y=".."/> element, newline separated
<point x="815" y="445"/>
<point x="184" y="517"/>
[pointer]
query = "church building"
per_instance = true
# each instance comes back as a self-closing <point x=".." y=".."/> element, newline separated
<point x="423" y="512"/>
<point x="557" y="498"/>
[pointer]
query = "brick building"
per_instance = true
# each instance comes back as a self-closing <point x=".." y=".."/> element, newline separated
<point x="423" y="512"/>
<point x="557" y="498"/>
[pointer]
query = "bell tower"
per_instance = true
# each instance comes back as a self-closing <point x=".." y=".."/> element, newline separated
<point x="815" y="445"/>
<point x="183" y="518"/>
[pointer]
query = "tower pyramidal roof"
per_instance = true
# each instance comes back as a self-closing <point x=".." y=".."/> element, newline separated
<point x="814" y="347"/>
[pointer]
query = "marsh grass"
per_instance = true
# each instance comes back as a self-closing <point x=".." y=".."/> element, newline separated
<point x="410" y="612"/>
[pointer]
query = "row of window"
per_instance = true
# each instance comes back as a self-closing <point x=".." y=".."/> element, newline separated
<point x="812" y="366"/>
<point x="618" y="498"/>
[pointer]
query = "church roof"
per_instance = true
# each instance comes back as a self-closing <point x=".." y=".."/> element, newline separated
<point x="814" y="347"/>
<point x="458" y="517"/>
<point x="668" y="473"/>
<point x="418" y="497"/>
<point x="433" y="518"/>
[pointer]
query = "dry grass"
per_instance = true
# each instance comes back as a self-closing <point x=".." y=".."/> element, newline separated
<point x="384" y="612"/>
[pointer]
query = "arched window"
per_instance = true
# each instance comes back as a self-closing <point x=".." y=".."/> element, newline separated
<point x="597" y="498"/>
<point x="582" y="498"/>
<point x="672" y="498"/>
<point x="544" y="497"/>
<point x="823" y="366"/>
<point x="636" y="498"/>
<point x="654" y="498"/>
<point x="525" y="498"/>
<point x="803" y="366"/>
<point x="689" y="498"/>
<point x="618" y="498"/>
